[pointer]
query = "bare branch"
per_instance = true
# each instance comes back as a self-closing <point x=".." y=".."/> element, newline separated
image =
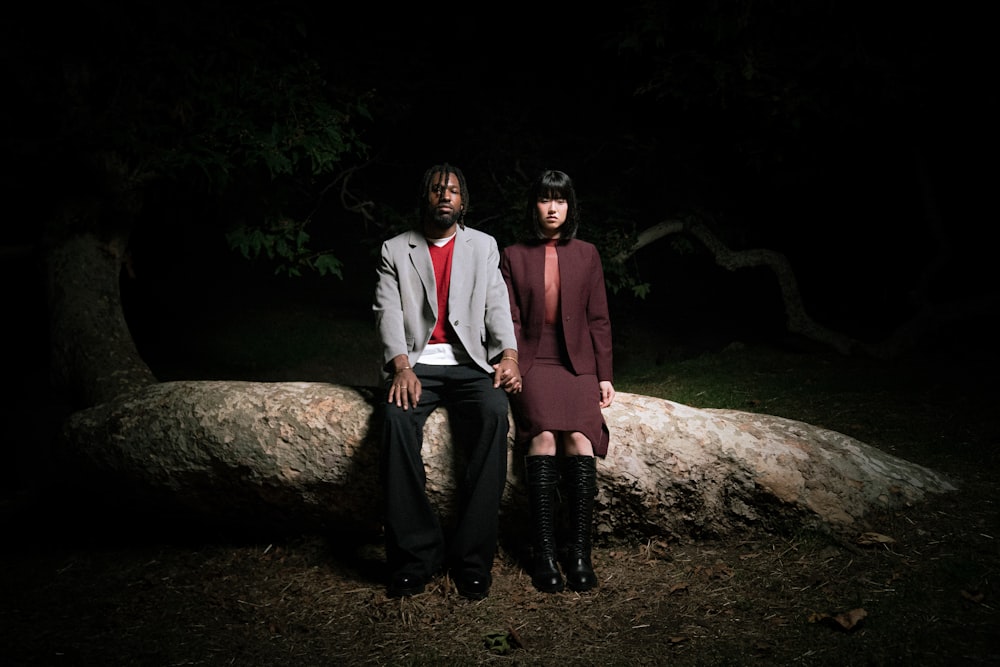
<point x="649" y="235"/>
<point x="796" y="318"/>
<point x="929" y="317"/>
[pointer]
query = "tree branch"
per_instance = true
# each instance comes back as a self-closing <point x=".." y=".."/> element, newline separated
<point x="929" y="317"/>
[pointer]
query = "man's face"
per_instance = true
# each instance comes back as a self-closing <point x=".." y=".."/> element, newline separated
<point x="444" y="201"/>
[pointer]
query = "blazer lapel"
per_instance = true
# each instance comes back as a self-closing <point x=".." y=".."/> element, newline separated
<point x="461" y="269"/>
<point x="420" y="258"/>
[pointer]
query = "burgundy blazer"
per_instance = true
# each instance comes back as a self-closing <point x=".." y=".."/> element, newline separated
<point x="586" y="324"/>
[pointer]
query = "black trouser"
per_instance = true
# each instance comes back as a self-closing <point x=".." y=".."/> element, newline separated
<point x="415" y="542"/>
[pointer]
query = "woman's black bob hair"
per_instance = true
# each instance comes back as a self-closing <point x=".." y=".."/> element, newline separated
<point x="553" y="184"/>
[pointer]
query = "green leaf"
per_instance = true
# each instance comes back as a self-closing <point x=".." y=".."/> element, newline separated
<point x="498" y="642"/>
<point x="326" y="263"/>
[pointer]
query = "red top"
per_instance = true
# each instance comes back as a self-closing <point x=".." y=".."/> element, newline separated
<point x="441" y="258"/>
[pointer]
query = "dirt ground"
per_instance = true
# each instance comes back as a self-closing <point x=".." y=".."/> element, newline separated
<point x="93" y="595"/>
<point x="85" y="583"/>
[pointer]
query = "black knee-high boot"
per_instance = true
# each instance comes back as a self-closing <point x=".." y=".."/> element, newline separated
<point x="543" y="480"/>
<point x="581" y="473"/>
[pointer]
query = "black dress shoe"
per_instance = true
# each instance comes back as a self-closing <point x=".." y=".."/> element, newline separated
<point x="405" y="585"/>
<point x="472" y="586"/>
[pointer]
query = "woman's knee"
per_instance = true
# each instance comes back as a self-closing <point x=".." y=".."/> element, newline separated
<point x="543" y="444"/>
<point x="577" y="444"/>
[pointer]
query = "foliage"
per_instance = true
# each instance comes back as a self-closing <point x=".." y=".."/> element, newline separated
<point x="213" y="99"/>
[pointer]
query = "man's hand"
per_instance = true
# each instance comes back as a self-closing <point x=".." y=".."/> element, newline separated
<point x="405" y="389"/>
<point x="507" y="375"/>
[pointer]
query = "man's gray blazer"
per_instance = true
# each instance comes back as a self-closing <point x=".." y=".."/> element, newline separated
<point x="478" y="306"/>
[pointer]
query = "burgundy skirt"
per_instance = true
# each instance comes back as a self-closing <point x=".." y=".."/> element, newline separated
<point x="553" y="398"/>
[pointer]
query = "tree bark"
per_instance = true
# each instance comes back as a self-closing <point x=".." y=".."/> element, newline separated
<point x="93" y="356"/>
<point x="305" y="454"/>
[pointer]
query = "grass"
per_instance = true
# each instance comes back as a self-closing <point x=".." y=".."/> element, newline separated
<point x="901" y="406"/>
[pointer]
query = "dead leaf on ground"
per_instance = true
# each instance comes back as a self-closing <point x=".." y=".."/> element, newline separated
<point x="657" y="550"/>
<point x="974" y="596"/>
<point x="874" y="538"/>
<point x="716" y="571"/>
<point x="845" y="620"/>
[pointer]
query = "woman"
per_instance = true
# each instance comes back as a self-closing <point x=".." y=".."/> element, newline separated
<point x="560" y="310"/>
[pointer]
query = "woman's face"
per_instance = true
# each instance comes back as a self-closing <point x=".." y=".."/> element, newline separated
<point x="551" y="215"/>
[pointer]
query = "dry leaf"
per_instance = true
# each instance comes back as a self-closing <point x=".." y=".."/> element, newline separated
<point x="657" y="550"/>
<point x="722" y="571"/>
<point x="850" y="619"/>
<point x="515" y="638"/>
<point x="874" y="538"/>
<point x="973" y="596"/>
<point x="845" y="620"/>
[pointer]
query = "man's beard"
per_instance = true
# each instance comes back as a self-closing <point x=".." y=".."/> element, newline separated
<point x="445" y="220"/>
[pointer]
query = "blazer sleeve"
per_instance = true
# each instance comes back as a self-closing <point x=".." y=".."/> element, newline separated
<point x="515" y="267"/>
<point x="499" y="323"/>
<point x="599" y="319"/>
<point x="478" y="305"/>
<point x="388" y="307"/>
<point x="506" y="275"/>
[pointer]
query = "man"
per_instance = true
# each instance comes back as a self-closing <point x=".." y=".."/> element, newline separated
<point x="443" y="317"/>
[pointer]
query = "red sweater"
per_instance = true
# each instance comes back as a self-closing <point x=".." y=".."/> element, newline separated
<point x="441" y="259"/>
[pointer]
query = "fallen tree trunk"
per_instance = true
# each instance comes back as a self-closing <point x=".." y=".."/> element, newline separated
<point x="306" y="454"/>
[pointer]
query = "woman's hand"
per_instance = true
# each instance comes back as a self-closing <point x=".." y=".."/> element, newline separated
<point x="507" y="374"/>
<point x="607" y="393"/>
